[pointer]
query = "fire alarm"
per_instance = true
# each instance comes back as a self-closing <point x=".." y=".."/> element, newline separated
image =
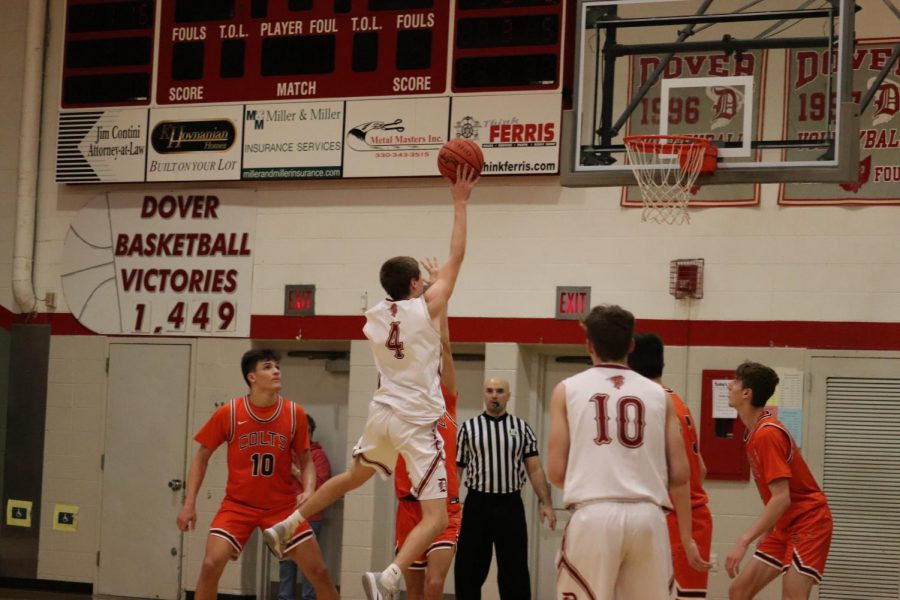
<point x="686" y="278"/>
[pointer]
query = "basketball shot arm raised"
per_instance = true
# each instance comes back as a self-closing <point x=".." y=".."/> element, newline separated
<point x="679" y="486"/>
<point x="438" y="293"/>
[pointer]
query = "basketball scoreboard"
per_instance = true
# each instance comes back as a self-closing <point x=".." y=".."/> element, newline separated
<point x="190" y="90"/>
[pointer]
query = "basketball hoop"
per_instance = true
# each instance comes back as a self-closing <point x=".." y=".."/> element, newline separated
<point x="666" y="168"/>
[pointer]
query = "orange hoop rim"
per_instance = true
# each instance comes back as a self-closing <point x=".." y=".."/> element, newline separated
<point x="656" y="144"/>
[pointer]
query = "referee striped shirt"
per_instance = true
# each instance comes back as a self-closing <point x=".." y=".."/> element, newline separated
<point x="493" y="450"/>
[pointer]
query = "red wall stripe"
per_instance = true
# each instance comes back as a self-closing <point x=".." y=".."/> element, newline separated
<point x="782" y="334"/>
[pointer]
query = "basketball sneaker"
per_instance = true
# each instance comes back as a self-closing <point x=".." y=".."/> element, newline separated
<point x="275" y="537"/>
<point x="375" y="590"/>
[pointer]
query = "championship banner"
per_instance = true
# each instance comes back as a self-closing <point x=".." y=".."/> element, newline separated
<point x="879" y="140"/>
<point x="705" y="108"/>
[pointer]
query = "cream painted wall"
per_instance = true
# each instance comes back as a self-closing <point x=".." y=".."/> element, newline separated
<point x="527" y="236"/>
<point x="12" y="51"/>
<point x="73" y="443"/>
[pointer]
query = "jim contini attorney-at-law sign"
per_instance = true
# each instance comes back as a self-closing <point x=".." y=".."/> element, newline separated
<point x="175" y="262"/>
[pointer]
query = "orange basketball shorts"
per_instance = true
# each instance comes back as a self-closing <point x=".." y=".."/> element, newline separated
<point x="409" y="514"/>
<point x="804" y="544"/>
<point x="235" y="522"/>
<point x="688" y="582"/>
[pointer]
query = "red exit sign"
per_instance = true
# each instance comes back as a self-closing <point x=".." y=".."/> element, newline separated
<point x="572" y="302"/>
<point x="299" y="300"/>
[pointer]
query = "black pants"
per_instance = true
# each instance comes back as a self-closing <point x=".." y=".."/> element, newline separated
<point x="496" y="520"/>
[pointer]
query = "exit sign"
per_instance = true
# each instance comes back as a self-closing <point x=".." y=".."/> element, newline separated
<point x="572" y="302"/>
<point x="299" y="300"/>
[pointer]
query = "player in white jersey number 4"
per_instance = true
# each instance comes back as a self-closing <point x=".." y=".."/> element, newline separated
<point x="616" y="450"/>
<point x="404" y="332"/>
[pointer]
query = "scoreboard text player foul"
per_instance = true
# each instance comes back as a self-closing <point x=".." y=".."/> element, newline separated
<point x="343" y="58"/>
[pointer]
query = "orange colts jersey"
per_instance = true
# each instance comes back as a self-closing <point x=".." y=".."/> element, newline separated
<point x="446" y="427"/>
<point x="259" y="441"/>
<point x="774" y="455"/>
<point x="692" y="446"/>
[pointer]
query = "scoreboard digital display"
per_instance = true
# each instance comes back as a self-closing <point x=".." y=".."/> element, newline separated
<point x="233" y="51"/>
<point x="296" y="60"/>
<point x="212" y="51"/>
<point x="108" y="53"/>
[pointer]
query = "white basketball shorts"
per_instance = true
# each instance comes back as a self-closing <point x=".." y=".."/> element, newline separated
<point x="387" y="435"/>
<point x="615" y="550"/>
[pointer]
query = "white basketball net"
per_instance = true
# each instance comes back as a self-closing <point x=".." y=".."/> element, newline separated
<point x="666" y="168"/>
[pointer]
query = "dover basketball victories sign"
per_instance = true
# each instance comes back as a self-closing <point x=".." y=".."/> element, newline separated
<point x="170" y="263"/>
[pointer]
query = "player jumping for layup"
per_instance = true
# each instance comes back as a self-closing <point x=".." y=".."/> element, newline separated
<point x="404" y="332"/>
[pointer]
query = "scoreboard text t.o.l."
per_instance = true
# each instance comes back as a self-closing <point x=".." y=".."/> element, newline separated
<point x="455" y="58"/>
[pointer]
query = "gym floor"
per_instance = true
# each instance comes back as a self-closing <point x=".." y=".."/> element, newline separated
<point x="15" y="594"/>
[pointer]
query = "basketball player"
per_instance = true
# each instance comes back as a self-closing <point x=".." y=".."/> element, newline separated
<point x="795" y="524"/>
<point x="404" y="332"/>
<point x="260" y="430"/>
<point x="425" y="577"/>
<point x="647" y="359"/>
<point x="615" y="445"/>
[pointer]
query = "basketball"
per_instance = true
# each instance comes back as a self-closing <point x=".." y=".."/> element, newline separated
<point x="456" y="152"/>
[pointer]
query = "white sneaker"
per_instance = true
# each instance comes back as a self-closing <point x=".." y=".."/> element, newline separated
<point x="274" y="539"/>
<point x="375" y="590"/>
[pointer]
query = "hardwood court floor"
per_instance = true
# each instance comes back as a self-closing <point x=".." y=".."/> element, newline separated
<point x="16" y="594"/>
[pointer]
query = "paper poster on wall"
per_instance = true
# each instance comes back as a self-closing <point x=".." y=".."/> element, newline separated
<point x="18" y="513"/>
<point x="102" y="146"/>
<point x="519" y="134"/>
<point x="65" y="517"/>
<point x="195" y="143"/>
<point x="721" y="410"/>
<point x="292" y="140"/>
<point x="398" y="137"/>
<point x="175" y="263"/>
<point x="787" y="401"/>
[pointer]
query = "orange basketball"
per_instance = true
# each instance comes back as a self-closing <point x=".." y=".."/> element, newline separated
<point x="456" y="152"/>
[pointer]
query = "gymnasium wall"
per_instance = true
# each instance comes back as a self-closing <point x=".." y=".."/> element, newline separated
<point x="12" y="52"/>
<point x="526" y="236"/>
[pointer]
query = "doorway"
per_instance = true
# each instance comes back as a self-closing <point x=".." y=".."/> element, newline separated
<point x="143" y="470"/>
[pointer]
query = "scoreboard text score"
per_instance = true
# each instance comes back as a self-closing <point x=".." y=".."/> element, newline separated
<point x="165" y="54"/>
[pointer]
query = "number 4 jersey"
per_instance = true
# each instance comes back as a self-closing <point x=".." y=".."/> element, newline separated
<point x="260" y="440"/>
<point x="407" y="349"/>
<point x="617" y="437"/>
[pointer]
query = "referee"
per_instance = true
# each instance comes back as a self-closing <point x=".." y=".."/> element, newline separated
<point x="497" y="450"/>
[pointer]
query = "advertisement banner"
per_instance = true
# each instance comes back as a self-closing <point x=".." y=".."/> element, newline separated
<point x="293" y="140"/>
<point x="394" y="138"/>
<point x="195" y="144"/>
<point x="102" y="146"/>
<point x="519" y="134"/>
